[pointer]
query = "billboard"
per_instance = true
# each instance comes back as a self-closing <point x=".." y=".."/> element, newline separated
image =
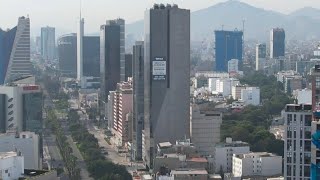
<point x="159" y="69"/>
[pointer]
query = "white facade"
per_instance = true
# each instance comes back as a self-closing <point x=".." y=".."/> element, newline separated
<point x="223" y="86"/>
<point x="14" y="104"/>
<point x="19" y="64"/>
<point x="27" y="143"/>
<point x="212" y="84"/>
<point x="11" y="165"/>
<point x="223" y="154"/>
<point x="261" y="50"/>
<point x="80" y="51"/>
<point x="304" y="96"/>
<point x="212" y="74"/>
<point x="297" y="141"/>
<point x="48" y="43"/>
<point x="236" y="91"/>
<point x="256" y="164"/>
<point x="233" y="66"/>
<point x="204" y="129"/>
<point x="251" y="96"/>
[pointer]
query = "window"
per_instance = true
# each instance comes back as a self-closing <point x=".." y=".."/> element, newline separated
<point x="307" y="120"/>
<point x="6" y="171"/>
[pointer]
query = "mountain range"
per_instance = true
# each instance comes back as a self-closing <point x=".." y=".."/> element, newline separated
<point x="301" y="24"/>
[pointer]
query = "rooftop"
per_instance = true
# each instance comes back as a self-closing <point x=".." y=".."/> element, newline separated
<point x="257" y="154"/>
<point x="198" y="159"/>
<point x="190" y="171"/>
<point x="4" y="155"/>
<point x="165" y="144"/>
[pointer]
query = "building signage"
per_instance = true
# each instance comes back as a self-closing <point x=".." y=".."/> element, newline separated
<point x="159" y="69"/>
<point x="30" y="88"/>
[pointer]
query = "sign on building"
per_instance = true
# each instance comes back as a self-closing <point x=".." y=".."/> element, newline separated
<point x="159" y="69"/>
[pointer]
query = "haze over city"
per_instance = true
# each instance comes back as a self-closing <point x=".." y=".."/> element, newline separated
<point x="63" y="14"/>
<point x="160" y="90"/>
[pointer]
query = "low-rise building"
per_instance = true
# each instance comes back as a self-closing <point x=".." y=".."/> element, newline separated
<point x="223" y="85"/>
<point x="303" y="96"/>
<point x="251" y="96"/>
<point x="261" y="164"/>
<point x="204" y="129"/>
<point x="28" y="143"/>
<point x="223" y="154"/>
<point x="236" y="91"/>
<point x="292" y="83"/>
<point x="11" y="165"/>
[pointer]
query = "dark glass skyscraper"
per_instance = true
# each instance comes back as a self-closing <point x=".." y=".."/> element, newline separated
<point x="128" y="66"/>
<point x="166" y="77"/>
<point x="67" y="55"/>
<point x="138" y="99"/>
<point x="110" y="34"/>
<point x="91" y="56"/>
<point x="277" y="43"/>
<point x="228" y="45"/>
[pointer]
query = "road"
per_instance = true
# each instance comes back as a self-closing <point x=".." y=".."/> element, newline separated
<point x="49" y="139"/>
<point x="113" y="155"/>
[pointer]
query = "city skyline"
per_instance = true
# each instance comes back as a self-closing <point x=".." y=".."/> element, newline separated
<point x="95" y="14"/>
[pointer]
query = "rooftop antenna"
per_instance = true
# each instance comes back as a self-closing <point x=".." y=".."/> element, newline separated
<point x="222" y="27"/>
<point x="80" y="8"/>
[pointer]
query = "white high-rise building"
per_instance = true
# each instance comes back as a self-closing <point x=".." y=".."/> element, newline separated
<point x="224" y="86"/>
<point x="261" y="50"/>
<point x="48" y="44"/>
<point x="80" y="52"/>
<point x="11" y="165"/>
<point x="18" y="63"/>
<point x="297" y="141"/>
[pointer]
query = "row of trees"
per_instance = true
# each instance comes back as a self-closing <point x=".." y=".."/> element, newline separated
<point x="64" y="147"/>
<point x="97" y="165"/>
<point x="252" y="124"/>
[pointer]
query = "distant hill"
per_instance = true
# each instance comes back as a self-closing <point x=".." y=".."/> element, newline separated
<point x="301" y="24"/>
<point x="309" y="12"/>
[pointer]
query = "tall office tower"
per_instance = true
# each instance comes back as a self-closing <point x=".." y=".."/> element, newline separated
<point x="91" y="56"/>
<point x="166" y="77"/>
<point x="20" y="108"/>
<point x="80" y="51"/>
<point x="315" y="128"/>
<point x="138" y="99"/>
<point x="297" y="141"/>
<point x="128" y="66"/>
<point x="228" y="46"/>
<point x="110" y="59"/>
<point x="277" y="43"/>
<point x="261" y="50"/>
<point x="15" y="51"/>
<point x="67" y="55"/>
<point x="121" y="22"/>
<point x="48" y="43"/>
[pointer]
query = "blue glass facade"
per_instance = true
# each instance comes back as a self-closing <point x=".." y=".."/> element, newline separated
<point x="228" y="45"/>
<point x="6" y="44"/>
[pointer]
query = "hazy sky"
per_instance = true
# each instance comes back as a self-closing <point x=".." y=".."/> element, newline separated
<point x="63" y="14"/>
